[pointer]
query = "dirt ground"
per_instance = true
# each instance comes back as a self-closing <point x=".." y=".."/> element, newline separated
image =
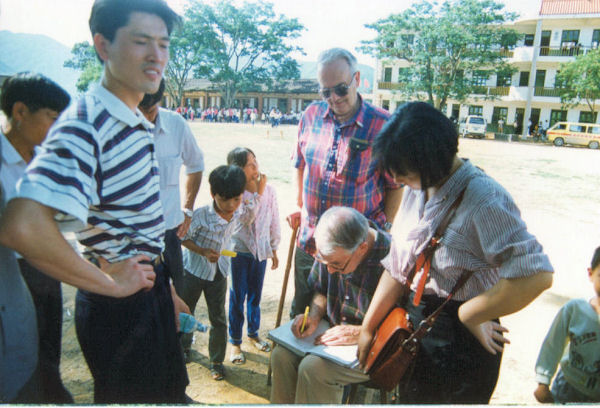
<point x="557" y="190"/>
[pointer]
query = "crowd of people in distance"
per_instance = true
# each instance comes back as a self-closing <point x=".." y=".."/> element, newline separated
<point x="107" y="167"/>
<point x="274" y="116"/>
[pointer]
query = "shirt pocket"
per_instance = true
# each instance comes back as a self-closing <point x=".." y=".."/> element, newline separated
<point x="357" y="165"/>
<point x="168" y="169"/>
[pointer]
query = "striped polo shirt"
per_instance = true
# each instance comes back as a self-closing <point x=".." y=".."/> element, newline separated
<point x="486" y="235"/>
<point x="98" y="167"/>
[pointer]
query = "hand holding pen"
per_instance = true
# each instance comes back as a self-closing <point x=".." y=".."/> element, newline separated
<point x="304" y="324"/>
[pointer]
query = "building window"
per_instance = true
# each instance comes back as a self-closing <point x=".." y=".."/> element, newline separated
<point x="557" y="116"/>
<point x="503" y="79"/>
<point x="407" y="39"/>
<point x="540" y="78"/>
<point x="476" y="110"/>
<point x="570" y="38"/>
<point x="529" y="40"/>
<point x="499" y="113"/>
<point x="587" y="117"/>
<point x="403" y="74"/>
<point x="387" y="74"/>
<point x="385" y="104"/>
<point x="524" y="78"/>
<point x="480" y="78"/>
<point x="595" y="39"/>
<point x="545" y="42"/>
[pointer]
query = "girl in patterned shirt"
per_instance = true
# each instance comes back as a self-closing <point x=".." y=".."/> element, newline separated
<point x="254" y="243"/>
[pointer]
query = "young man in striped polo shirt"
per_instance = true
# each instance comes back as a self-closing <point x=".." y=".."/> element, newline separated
<point x="98" y="168"/>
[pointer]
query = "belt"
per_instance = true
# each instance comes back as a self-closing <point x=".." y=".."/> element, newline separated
<point x="159" y="260"/>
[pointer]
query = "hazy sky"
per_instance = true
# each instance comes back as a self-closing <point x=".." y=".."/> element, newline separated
<point x="328" y="23"/>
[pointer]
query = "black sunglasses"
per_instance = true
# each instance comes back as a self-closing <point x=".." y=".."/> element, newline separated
<point x="339" y="89"/>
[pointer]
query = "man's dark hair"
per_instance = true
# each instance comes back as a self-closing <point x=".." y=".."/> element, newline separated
<point x="35" y="91"/>
<point x="417" y="139"/>
<point x="596" y="258"/>
<point x="239" y="156"/>
<point x="110" y="15"/>
<point x="227" y="181"/>
<point x="150" y="100"/>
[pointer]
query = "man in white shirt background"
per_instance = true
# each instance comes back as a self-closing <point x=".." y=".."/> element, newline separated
<point x="174" y="145"/>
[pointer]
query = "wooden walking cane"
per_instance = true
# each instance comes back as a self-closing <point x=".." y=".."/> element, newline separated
<point x="286" y="276"/>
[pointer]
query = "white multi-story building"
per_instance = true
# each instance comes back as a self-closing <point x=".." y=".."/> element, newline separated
<point x="563" y="30"/>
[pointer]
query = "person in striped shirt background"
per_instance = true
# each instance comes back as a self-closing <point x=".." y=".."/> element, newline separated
<point x="98" y="167"/>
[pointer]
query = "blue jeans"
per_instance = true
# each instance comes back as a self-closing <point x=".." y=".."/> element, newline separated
<point x="247" y="277"/>
<point x="564" y="393"/>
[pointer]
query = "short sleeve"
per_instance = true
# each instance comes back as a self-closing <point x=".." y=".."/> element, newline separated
<point x="505" y="242"/>
<point x="63" y="173"/>
<point x="193" y="158"/>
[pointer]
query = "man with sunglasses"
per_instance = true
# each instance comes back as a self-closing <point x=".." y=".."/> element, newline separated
<point x="333" y="162"/>
<point x="349" y="249"/>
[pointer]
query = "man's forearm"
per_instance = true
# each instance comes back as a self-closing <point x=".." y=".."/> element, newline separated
<point x="192" y="186"/>
<point x="318" y="307"/>
<point x="299" y="181"/>
<point x="29" y="228"/>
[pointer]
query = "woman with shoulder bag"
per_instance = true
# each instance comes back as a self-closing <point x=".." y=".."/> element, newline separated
<point x="459" y="359"/>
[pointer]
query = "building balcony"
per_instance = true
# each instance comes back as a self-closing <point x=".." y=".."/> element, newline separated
<point x="390" y="86"/>
<point x="548" y="92"/>
<point x="492" y="90"/>
<point x="565" y="51"/>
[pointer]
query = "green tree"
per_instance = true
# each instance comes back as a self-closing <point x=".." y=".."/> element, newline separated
<point x="444" y="46"/>
<point x="579" y="81"/>
<point x="189" y="56"/>
<point x="85" y="60"/>
<point x="250" y="45"/>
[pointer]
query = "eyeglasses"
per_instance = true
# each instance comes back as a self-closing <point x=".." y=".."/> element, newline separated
<point x="335" y="268"/>
<point x="340" y="89"/>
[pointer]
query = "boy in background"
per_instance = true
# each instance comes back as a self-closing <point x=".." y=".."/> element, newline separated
<point x="205" y="269"/>
<point x="574" y="341"/>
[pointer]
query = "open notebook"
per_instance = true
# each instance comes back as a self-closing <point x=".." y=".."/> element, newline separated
<point x="342" y="355"/>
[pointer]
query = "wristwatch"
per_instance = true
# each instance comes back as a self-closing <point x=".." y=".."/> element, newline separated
<point x="387" y="226"/>
<point x="188" y="212"/>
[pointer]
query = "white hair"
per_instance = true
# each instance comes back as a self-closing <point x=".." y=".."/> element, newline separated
<point x="334" y="54"/>
<point x="341" y="227"/>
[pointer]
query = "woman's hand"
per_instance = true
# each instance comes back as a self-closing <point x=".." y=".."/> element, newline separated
<point x="490" y="335"/>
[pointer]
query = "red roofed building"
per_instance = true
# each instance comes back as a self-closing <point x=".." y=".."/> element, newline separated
<point x="563" y="30"/>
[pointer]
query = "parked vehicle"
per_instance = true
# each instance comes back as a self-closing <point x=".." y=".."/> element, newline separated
<point x="574" y="133"/>
<point x="472" y="125"/>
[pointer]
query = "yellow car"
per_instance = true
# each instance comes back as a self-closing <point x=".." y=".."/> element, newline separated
<point x="574" y="133"/>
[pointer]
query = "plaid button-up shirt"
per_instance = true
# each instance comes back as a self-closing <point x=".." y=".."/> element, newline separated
<point x="349" y="295"/>
<point x="337" y="166"/>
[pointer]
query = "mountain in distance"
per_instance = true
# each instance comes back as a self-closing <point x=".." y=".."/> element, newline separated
<point x="40" y="53"/>
<point x="37" y="53"/>
<point x="308" y="70"/>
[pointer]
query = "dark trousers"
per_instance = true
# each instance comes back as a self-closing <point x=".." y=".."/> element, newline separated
<point x="303" y="293"/>
<point x="47" y="297"/>
<point x="174" y="258"/>
<point x="131" y="345"/>
<point x="247" y="277"/>
<point x="451" y="367"/>
<point x="214" y="294"/>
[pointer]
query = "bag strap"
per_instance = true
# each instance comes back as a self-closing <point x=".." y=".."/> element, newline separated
<point x="424" y="259"/>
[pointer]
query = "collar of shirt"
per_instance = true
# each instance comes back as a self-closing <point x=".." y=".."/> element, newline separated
<point x="160" y="125"/>
<point x="119" y="110"/>
<point x="9" y="153"/>
<point x="358" y="116"/>
<point x="212" y="213"/>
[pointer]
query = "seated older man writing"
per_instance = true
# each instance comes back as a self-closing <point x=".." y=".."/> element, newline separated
<point x="344" y="276"/>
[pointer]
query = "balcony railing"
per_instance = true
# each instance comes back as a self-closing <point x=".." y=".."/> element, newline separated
<point x="392" y="86"/>
<point x="491" y="90"/>
<point x="550" y="92"/>
<point x="565" y="51"/>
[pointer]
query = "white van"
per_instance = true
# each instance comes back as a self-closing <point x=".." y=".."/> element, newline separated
<point x="472" y="125"/>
